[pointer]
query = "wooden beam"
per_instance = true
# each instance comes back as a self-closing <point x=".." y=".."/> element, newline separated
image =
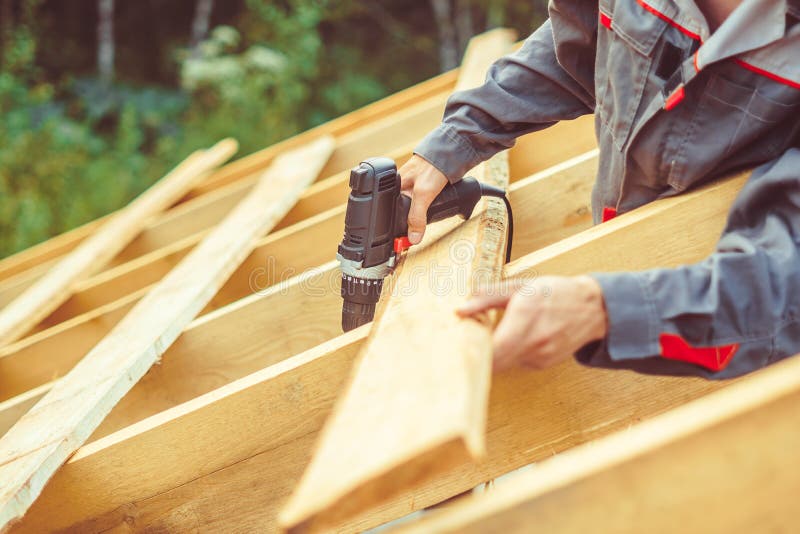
<point x="417" y="402"/>
<point x="131" y="273"/>
<point x="270" y="400"/>
<point x="57" y="425"/>
<point x="158" y="474"/>
<point x="129" y="277"/>
<point x="246" y="166"/>
<point x="194" y="218"/>
<point x="190" y="221"/>
<point x="40" y="358"/>
<point x="545" y="148"/>
<point x="394" y="104"/>
<point x="220" y="347"/>
<point x="58" y="284"/>
<point x="570" y="202"/>
<point x="48" y="250"/>
<point x="382" y="136"/>
<point x="553" y="204"/>
<point x="721" y="463"/>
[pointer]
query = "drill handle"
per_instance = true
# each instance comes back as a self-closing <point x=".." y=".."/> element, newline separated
<point x="455" y="199"/>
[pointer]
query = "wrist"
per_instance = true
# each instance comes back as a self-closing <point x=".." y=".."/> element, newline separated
<point x="593" y="299"/>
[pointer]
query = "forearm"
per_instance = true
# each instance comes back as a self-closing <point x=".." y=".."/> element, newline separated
<point x="524" y="92"/>
<point x="732" y="313"/>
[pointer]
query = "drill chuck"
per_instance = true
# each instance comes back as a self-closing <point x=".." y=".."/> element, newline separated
<point x="361" y="290"/>
<point x="359" y="296"/>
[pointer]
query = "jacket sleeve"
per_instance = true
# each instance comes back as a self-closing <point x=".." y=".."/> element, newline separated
<point x="730" y="314"/>
<point x="526" y="91"/>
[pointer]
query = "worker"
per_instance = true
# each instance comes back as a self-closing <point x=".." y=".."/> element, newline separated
<point x="683" y="92"/>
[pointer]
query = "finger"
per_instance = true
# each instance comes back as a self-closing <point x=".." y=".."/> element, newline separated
<point x="481" y="303"/>
<point x="491" y="296"/>
<point x="406" y="180"/>
<point x="508" y="341"/>
<point x="417" y="218"/>
<point x="408" y="173"/>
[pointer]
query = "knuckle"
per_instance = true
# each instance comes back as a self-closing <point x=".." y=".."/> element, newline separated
<point x="416" y="217"/>
<point x="539" y="343"/>
<point x="426" y="188"/>
<point x="532" y="363"/>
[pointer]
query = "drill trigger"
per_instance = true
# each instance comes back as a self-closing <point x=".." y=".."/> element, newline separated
<point x="401" y="244"/>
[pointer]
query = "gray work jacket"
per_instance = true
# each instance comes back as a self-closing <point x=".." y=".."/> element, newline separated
<point x="675" y="106"/>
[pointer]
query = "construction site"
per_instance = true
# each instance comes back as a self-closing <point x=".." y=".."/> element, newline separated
<point x="180" y="365"/>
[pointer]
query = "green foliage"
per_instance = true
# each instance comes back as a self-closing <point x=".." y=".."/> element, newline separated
<point x="73" y="148"/>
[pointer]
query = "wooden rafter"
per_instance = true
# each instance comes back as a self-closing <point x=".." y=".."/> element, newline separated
<point x="42" y="253"/>
<point x="217" y="436"/>
<point x="158" y="472"/>
<point x="172" y="235"/>
<point x="190" y="222"/>
<point x="31" y="364"/>
<point x="35" y="447"/>
<point x="722" y="463"/>
<point x="417" y="400"/>
<point x="54" y="288"/>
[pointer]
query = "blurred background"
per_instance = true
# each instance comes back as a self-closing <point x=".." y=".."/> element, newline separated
<point x="99" y="98"/>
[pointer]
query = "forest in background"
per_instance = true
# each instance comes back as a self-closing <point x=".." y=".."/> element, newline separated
<point x="99" y="98"/>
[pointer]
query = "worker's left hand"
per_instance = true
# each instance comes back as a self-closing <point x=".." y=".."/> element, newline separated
<point x="546" y="319"/>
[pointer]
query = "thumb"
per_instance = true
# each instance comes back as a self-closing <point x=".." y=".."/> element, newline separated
<point x="417" y="217"/>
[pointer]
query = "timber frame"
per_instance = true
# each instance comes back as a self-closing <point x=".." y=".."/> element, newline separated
<point x="218" y="434"/>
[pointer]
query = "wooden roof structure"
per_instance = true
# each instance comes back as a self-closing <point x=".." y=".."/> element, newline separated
<point x="260" y="415"/>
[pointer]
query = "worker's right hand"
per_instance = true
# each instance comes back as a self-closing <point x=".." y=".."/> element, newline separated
<point x="422" y="182"/>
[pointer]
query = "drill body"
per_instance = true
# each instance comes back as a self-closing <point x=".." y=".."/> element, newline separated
<point x="376" y="230"/>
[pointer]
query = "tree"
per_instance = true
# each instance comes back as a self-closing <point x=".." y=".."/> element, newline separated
<point x="464" y="23"/>
<point x="448" y="43"/>
<point x="454" y="22"/>
<point x="105" y="40"/>
<point x="200" y="24"/>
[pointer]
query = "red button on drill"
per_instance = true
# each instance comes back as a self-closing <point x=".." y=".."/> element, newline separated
<point x="401" y="244"/>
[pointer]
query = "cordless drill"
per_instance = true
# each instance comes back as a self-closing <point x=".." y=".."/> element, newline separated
<point x="376" y="230"/>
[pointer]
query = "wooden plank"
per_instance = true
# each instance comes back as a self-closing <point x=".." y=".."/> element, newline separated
<point x="553" y="204"/>
<point x="39" y="359"/>
<point x="48" y="250"/>
<point x="722" y="463"/>
<point x="222" y="346"/>
<point x="418" y="398"/>
<point x="157" y="473"/>
<point x="545" y="148"/>
<point x="140" y="272"/>
<point x="55" y="287"/>
<point x="137" y="268"/>
<point x="394" y="104"/>
<point x="381" y="136"/>
<point x="271" y="399"/>
<point x="245" y="166"/>
<point x="57" y="425"/>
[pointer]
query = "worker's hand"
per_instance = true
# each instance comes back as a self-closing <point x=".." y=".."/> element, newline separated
<point x="422" y="182"/>
<point x="546" y="320"/>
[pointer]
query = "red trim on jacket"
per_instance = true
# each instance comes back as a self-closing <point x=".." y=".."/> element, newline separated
<point x="766" y="73"/>
<point x="675" y="98"/>
<point x="609" y="213"/>
<point x="674" y="347"/>
<point x="662" y="16"/>
<point x="752" y="68"/>
<point x="605" y="20"/>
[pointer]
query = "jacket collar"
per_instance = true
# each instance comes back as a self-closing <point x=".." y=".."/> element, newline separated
<point x="753" y="24"/>
<point x="755" y="34"/>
